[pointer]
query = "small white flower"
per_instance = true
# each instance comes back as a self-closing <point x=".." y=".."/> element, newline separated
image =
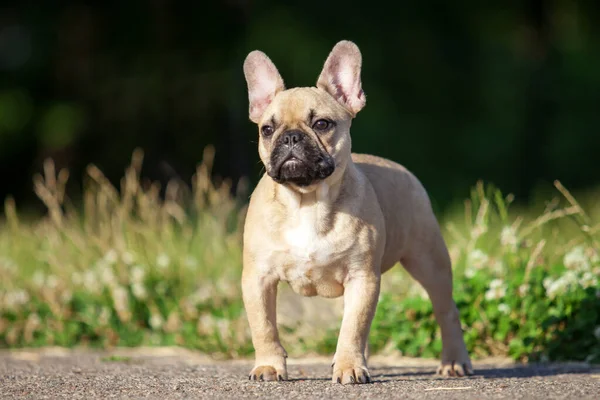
<point x="127" y="258"/>
<point x="561" y="285"/>
<point x="111" y="256"/>
<point x="156" y="321"/>
<point x="523" y="289"/>
<point x="576" y="259"/>
<point x="570" y="277"/>
<point x="139" y="291"/>
<point x="202" y="295"/>
<point x="22" y="297"/>
<point x="107" y="276"/>
<point x="478" y="259"/>
<point x="163" y="260"/>
<point x="120" y="298"/>
<point x="496" y="283"/>
<point x="497" y="290"/>
<point x="137" y="274"/>
<point x="504" y="308"/>
<point x="206" y="324"/>
<point x="16" y="298"/>
<point x="597" y="332"/>
<point x="90" y="282"/>
<point x="470" y="272"/>
<point x="588" y="280"/>
<point x="508" y="237"/>
<point x="557" y="287"/>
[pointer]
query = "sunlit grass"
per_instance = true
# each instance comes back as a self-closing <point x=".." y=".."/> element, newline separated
<point x="128" y="269"/>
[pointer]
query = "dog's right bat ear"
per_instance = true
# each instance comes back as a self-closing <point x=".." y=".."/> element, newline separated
<point x="341" y="76"/>
<point x="264" y="82"/>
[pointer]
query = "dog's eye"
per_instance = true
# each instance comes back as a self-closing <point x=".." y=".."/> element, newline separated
<point x="322" y="125"/>
<point x="267" y="130"/>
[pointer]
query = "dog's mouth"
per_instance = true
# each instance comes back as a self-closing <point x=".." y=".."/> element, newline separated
<point x="300" y="171"/>
<point x="291" y="162"/>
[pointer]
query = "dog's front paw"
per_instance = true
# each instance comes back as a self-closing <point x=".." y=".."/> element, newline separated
<point x="267" y="373"/>
<point x="347" y="372"/>
<point x="455" y="368"/>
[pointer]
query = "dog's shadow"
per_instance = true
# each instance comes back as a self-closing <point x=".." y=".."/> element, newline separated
<point x="525" y="371"/>
<point x="308" y="379"/>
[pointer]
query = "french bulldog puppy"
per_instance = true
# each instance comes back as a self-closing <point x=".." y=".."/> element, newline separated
<point x="330" y="222"/>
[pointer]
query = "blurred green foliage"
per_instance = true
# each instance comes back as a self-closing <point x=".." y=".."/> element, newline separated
<point x="501" y="91"/>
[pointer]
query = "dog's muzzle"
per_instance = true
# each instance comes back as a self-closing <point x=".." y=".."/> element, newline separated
<point x="296" y="158"/>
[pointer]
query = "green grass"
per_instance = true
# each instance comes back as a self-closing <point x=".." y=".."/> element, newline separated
<point x="115" y="358"/>
<point x="129" y="268"/>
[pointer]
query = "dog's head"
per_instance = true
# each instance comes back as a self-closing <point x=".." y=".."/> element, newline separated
<point x="304" y="132"/>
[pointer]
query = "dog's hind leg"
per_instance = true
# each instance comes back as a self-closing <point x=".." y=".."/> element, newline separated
<point x="429" y="263"/>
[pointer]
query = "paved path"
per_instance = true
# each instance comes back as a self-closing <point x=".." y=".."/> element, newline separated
<point x="176" y="373"/>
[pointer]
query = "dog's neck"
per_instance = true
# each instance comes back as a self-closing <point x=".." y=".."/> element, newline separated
<point x="323" y="194"/>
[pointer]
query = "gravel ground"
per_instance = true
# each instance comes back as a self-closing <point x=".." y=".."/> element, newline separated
<point x="177" y="373"/>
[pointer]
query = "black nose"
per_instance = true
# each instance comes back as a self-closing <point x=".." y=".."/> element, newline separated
<point x="292" y="137"/>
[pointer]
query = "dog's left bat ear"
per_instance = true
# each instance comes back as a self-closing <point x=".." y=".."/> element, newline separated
<point x="264" y="82"/>
<point x="341" y="76"/>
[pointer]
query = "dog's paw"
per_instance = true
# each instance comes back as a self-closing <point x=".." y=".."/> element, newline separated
<point x="348" y="374"/>
<point x="455" y="369"/>
<point x="265" y="373"/>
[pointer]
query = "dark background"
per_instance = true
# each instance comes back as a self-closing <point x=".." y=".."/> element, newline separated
<point x="505" y="91"/>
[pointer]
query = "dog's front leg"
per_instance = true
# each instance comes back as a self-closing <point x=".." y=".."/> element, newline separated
<point x="360" y="301"/>
<point x="260" y="296"/>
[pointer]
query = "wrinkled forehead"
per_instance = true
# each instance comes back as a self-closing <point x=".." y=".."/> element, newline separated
<point x="302" y="104"/>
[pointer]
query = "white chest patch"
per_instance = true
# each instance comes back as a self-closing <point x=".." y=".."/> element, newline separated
<point x="304" y="243"/>
<point x="310" y="259"/>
